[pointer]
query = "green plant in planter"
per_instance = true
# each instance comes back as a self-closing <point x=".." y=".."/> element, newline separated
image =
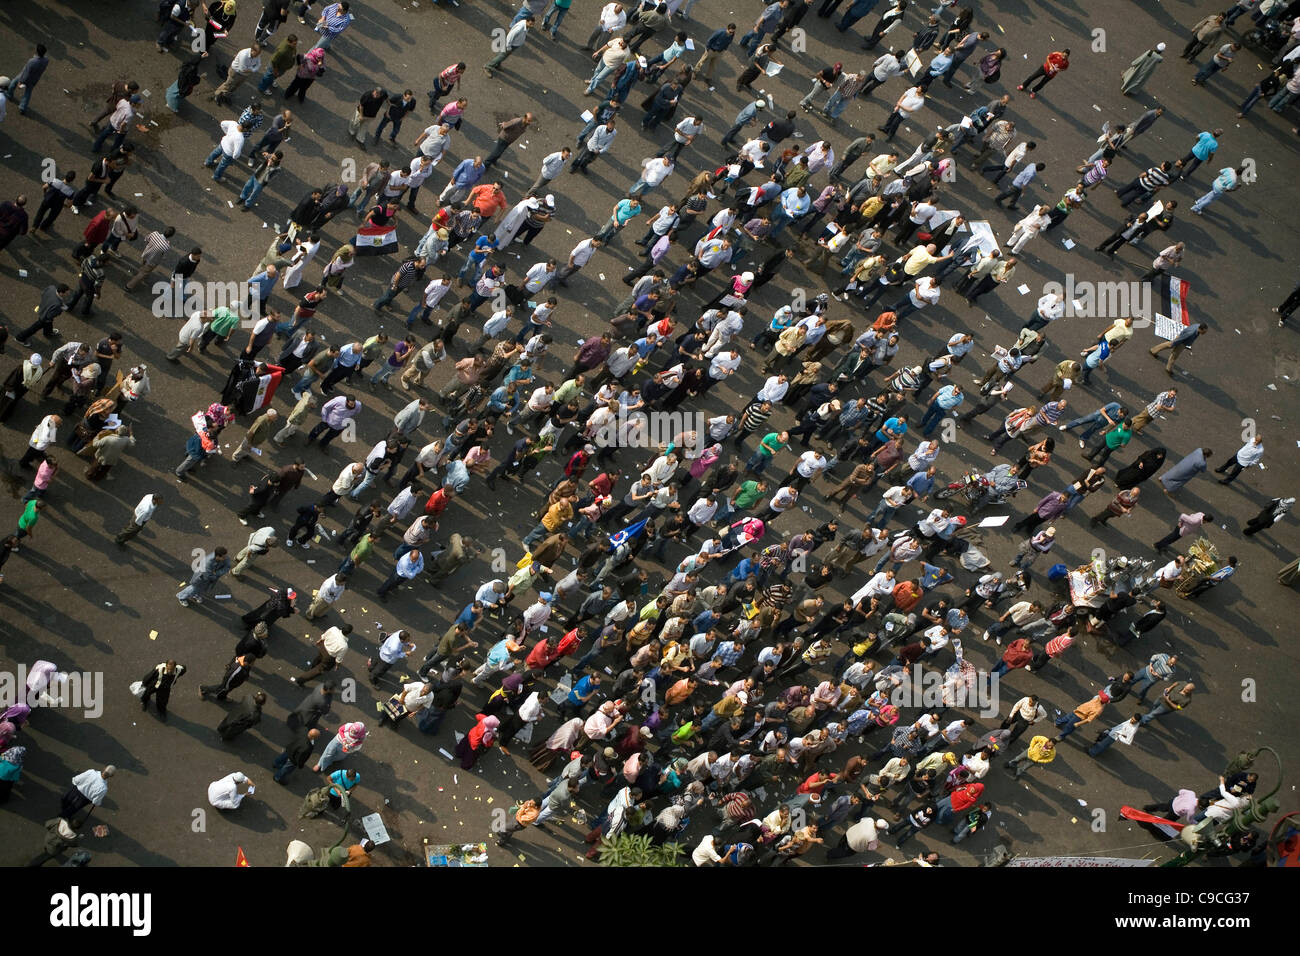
<point x="631" y="849"/>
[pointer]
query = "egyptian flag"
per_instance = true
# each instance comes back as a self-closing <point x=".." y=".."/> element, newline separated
<point x="1168" y="828"/>
<point x="1173" y="301"/>
<point x="240" y="859"/>
<point x="627" y="534"/>
<point x="376" y="240"/>
<point x="268" y="380"/>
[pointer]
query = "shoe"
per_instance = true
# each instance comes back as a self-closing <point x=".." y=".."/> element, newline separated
<point x="1020" y="87"/>
<point x="289" y="543"/>
<point x="184" y="603"/>
<point x="244" y="522"/>
<point x="306" y="545"/>
<point x="1033" y="96"/>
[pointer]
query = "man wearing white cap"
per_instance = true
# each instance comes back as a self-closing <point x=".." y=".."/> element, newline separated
<point x="1140" y="70"/>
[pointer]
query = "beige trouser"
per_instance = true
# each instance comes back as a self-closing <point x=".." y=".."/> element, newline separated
<point x="233" y="82"/>
<point x="1176" y="350"/>
<point x="359" y="128"/>
<point x="317" y="608"/>
<point x="707" y="62"/>
<point x="1141" y="420"/>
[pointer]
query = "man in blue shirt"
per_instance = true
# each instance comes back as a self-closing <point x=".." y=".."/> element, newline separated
<point x="582" y="692"/>
<point x="713" y="48"/>
<point x="1107" y="416"/>
<point x="945" y="400"/>
<point x="922" y="483"/>
<point x="892" y="428"/>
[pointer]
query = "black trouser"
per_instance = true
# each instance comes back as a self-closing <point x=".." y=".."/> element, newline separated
<point x="48" y="211"/>
<point x="162" y="696"/>
<point x="329" y="432"/>
<point x="1232" y="468"/>
<point x="1038" y="74"/>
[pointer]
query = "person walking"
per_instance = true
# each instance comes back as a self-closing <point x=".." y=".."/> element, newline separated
<point x="1124" y="733"/>
<point x="205" y="578"/>
<point x="1268" y="516"/>
<point x="143" y="512"/>
<point x="296" y="754"/>
<point x="1140" y="70"/>
<point x="89" y="788"/>
<point x="1160" y="667"/>
<point x="1040" y="752"/>
<point x="244" y="717"/>
<point x="1056" y="63"/>
<point x="1175" y="697"/>
<point x="158" y="683"/>
<point x="1247" y="456"/>
<point x="1178" y="344"/>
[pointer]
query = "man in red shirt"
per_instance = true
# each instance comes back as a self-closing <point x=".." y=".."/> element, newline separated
<point x="907" y="594"/>
<point x="488" y="200"/>
<point x="438" y="501"/>
<point x="1055" y="63"/>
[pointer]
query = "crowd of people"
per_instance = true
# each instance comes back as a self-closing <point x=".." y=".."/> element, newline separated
<point x="666" y="631"/>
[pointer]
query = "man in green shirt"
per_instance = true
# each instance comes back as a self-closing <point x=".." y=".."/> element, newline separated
<point x="27" y="521"/>
<point x="767" y="448"/>
<point x="1117" y="437"/>
<point x="749" y="492"/>
<point x="364" y="547"/>
<point x="221" y="322"/>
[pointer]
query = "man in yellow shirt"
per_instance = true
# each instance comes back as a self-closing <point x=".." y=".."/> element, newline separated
<point x="1041" y="751"/>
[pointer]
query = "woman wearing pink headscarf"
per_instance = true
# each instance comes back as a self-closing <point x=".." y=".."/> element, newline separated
<point x="347" y="741"/>
<point x="478" y="740"/>
<point x="18" y="715"/>
<point x="310" y="66"/>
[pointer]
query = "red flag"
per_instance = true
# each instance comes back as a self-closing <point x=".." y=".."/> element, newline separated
<point x="240" y="859"/>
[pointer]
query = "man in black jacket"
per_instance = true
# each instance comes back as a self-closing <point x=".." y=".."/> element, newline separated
<point x="296" y="753"/>
<point x="248" y="714"/>
<point x="399" y="104"/>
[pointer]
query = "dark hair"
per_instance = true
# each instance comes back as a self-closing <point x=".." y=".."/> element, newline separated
<point x="40" y="49"/>
<point x="169" y="231"/>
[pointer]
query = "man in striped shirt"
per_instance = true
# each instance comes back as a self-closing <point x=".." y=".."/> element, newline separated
<point x="156" y="245"/>
<point x="334" y="19"/>
<point x="1146" y="185"/>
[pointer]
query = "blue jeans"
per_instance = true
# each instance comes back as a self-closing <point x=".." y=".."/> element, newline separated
<point x="1066" y="723"/>
<point x="1095" y="423"/>
<point x="104" y="134"/>
<point x="174" y="97"/>
<point x="882" y="515"/>
<point x="304" y="383"/>
<point x="267" y="81"/>
<point x="757" y="462"/>
<point x="1207" y="71"/>
<point x="930" y="420"/>
<point x="1100" y="745"/>
<point x="1205" y="200"/>
<point x="397" y="128"/>
<point x="252" y="189"/>
<point x="325" y="40"/>
<point x="836" y="105"/>
<point x="1249" y="103"/>
<point x="560" y="13"/>
<point x="283" y="767"/>
<point x="221" y="160"/>
<point x="780" y="219"/>
<point x="598" y="77"/>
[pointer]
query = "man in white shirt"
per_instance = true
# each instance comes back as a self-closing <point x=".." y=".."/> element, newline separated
<point x="810" y="464"/>
<point x="612" y="19"/>
<point x="579" y="256"/>
<point x="330" y="590"/>
<point x="228" y="150"/>
<point x="433" y="142"/>
<point x="654" y="170"/>
<point x="246" y="63"/>
<point x="143" y="512"/>
<point x="392" y="649"/>
<point x="925" y="291"/>
<point x="552" y="165"/>
<point x="1050" y="308"/>
<point x="773" y="389"/>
